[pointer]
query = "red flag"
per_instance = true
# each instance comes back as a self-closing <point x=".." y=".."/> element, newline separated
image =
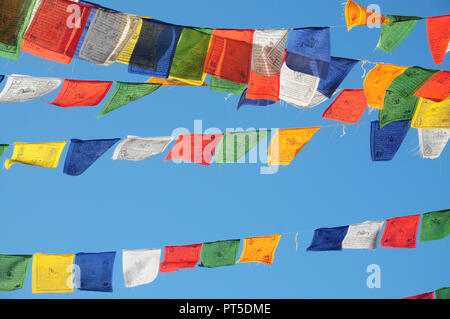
<point x="348" y="107"/>
<point x="437" y="88"/>
<point x="81" y="93"/>
<point x="262" y="87"/>
<point x="178" y="257"/>
<point x="401" y="232"/>
<point x="438" y="29"/>
<point x="427" y="295"/>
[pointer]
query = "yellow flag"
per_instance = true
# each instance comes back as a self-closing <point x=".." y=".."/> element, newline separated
<point x="431" y="115"/>
<point x="125" y="55"/>
<point x="175" y="81"/>
<point x="356" y="14"/>
<point x="37" y="154"/>
<point x="260" y="249"/>
<point x="52" y="273"/>
<point x="286" y="144"/>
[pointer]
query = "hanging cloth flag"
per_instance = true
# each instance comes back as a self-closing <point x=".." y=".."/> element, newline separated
<point x="263" y="87"/>
<point x="328" y="238"/>
<point x="245" y="101"/>
<point x="385" y="142"/>
<point x="52" y="273"/>
<point x="94" y="271"/>
<point x="190" y="55"/>
<point x="443" y="293"/>
<point x="286" y="144"/>
<point x="435" y="225"/>
<point x="356" y="14"/>
<point x="260" y="249"/>
<point x="437" y="88"/>
<point x="438" y="30"/>
<point x="220" y="253"/>
<point x="229" y="55"/>
<point x="377" y="82"/>
<point x="82" y="93"/>
<point x="308" y="51"/>
<point x="427" y="295"/>
<point x="401" y="232"/>
<point x="19" y="88"/>
<point x="172" y="81"/>
<point x="348" y="107"/>
<point x="337" y="71"/>
<point x="196" y="148"/>
<point x="432" y="142"/>
<point x="55" y="30"/>
<point x="3" y="148"/>
<point x="13" y="271"/>
<point x="431" y="115"/>
<point x="36" y="154"/>
<point x="85" y="31"/>
<point x="363" y="236"/>
<point x="135" y="148"/>
<point x="179" y="257"/>
<point x="234" y="145"/>
<point x="14" y="16"/>
<point x="393" y="33"/>
<point x="140" y="266"/>
<point x="268" y="51"/>
<point x="155" y="48"/>
<point x="127" y="92"/>
<point x="220" y="85"/>
<point x="125" y="55"/>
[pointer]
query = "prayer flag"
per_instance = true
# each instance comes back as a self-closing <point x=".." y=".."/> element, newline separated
<point x="94" y="271"/>
<point x="140" y="266"/>
<point x="260" y="249"/>
<point x="268" y="51"/>
<point x="19" y="88"/>
<point x="52" y="273"/>
<point x="432" y="115"/>
<point x="81" y="93"/>
<point x="85" y="31"/>
<point x="438" y="30"/>
<point x="363" y="236"/>
<point x="135" y="148"/>
<point x="427" y="295"/>
<point x="220" y="253"/>
<point x="356" y="14"/>
<point x="443" y="293"/>
<point x="13" y="271"/>
<point x="393" y="33"/>
<point x="3" y="148"/>
<point x="432" y="142"/>
<point x="437" y="88"/>
<point x="179" y="257"/>
<point x="337" y="71"/>
<point x="348" y="107"/>
<point x="172" y="81"/>
<point x="328" y="238"/>
<point x="262" y="87"/>
<point x="36" y="154"/>
<point x="125" y="55"/>
<point x="220" y="85"/>
<point x="435" y="225"/>
<point x="246" y="101"/>
<point x="385" y="142"/>
<point x="401" y="232"/>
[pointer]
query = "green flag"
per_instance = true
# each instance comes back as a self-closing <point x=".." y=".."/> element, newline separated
<point x="221" y="85"/>
<point x="234" y="145"/>
<point x="3" y="148"/>
<point x="435" y="225"/>
<point x="443" y="293"/>
<point x="13" y="271"/>
<point x="392" y="34"/>
<point x="220" y="253"/>
<point x="127" y="92"/>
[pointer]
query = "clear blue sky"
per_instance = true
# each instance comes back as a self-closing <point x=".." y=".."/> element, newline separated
<point x="152" y="203"/>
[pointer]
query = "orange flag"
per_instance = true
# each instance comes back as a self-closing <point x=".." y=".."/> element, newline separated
<point x="348" y="107"/>
<point x="356" y="14"/>
<point x="437" y="88"/>
<point x="260" y="249"/>
<point x="262" y="87"/>
<point x="438" y="29"/>
<point x="82" y="93"/>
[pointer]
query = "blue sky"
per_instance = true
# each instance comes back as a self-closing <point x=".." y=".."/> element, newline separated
<point x="119" y="205"/>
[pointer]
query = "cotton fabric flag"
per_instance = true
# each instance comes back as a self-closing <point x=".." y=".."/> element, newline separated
<point x="52" y="273"/>
<point x="94" y="271"/>
<point x="401" y="232"/>
<point x="82" y="93"/>
<point x="127" y="92"/>
<point x="234" y="145"/>
<point x="243" y="100"/>
<point x="435" y="225"/>
<point x="438" y="30"/>
<point x="229" y="55"/>
<point x="172" y="81"/>
<point x="14" y="16"/>
<point x="363" y="236"/>
<point x="432" y="142"/>
<point x="432" y="115"/>
<point x="263" y="87"/>
<point x="437" y="88"/>
<point x="140" y="266"/>
<point x="13" y="271"/>
<point x="55" y="30"/>
<point x="385" y="142"/>
<point x="125" y="55"/>
<point x="393" y="33"/>
<point x="135" y="148"/>
<point x="348" y="107"/>
<point x="3" y="148"/>
<point x="220" y="253"/>
<point x="220" y="85"/>
<point x="36" y="154"/>
<point x="83" y="153"/>
<point x="427" y="295"/>
<point x="328" y="238"/>
<point x="84" y="33"/>
<point x="286" y="144"/>
<point x="196" y="148"/>
<point x="268" y="51"/>
<point x="19" y="88"/>
<point x="443" y="293"/>
<point x="308" y="51"/>
<point x="356" y="14"/>
<point x="179" y="257"/>
<point x="260" y="249"/>
<point x="338" y="69"/>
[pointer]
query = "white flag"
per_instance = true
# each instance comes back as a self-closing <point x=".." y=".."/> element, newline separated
<point x="21" y="88"/>
<point x="140" y="266"/>
<point x="135" y="148"/>
<point x="362" y="236"/>
<point x="298" y="88"/>
<point x="432" y="141"/>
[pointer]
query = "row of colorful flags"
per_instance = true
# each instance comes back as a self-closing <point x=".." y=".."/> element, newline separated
<point x="93" y="271"/>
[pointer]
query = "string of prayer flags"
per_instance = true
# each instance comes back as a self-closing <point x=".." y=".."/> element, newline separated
<point x="36" y="154"/>
<point x="401" y="232"/>
<point x="443" y="293"/>
<point x="348" y="107"/>
<point x="19" y="88"/>
<point x="268" y="51"/>
<point x="55" y="31"/>
<point x="140" y="266"/>
<point x="52" y="273"/>
<point x="229" y="55"/>
<point x="328" y="238"/>
<point x="308" y="51"/>
<point x="135" y="148"/>
<point x="13" y="271"/>
<point x="426" y="295"/>
<point x="179" y="257"/>
<point x="243" y="100"/>
<point x="438" y="30"/>
<point x="385" y="142"/>
<point x="15" y="16"/>
<point x="432" y="142"/>
<point x="3" y="148"/>
<point x="94" y="271"/>
<point x="219" y="253"/>
<point x="260" y="249"/>
<point x="196" y="148"/>
<point x="127" y="92"/>
<point x="82" y="93"/>
<point x="393" y="33"/>
<point x="286" y="144"/>
<point x="435" y="225"/>
<point x="125" y="55"/>
<point x="437" y="88"/>
<point x="356" y="14"/>
<point x="83" y="153"/>
<point x="234" y="145"/>
<point x="338" y="69"/>
<point x="432" y="115"/>
<point x="363" y="236"/>
<point x="220" y="85"/>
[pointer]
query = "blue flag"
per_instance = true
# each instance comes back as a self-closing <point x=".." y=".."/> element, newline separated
<point x="260" y="102"/>
<point x="338" y="70"/>
<point x="385" y="142"/>
<point x="328" y="238"/>
<point x="95" y="271"/>
<point x="82" y="154"/>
